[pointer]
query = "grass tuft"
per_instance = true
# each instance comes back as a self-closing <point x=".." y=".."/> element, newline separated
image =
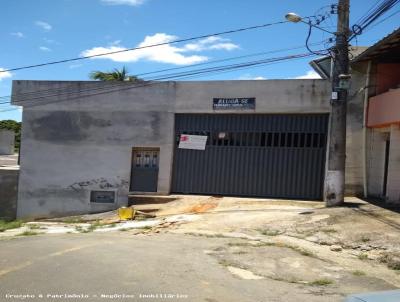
<point x="365" y="239"/>
<point x="391" y="261"/>
<point x="240" y="252"/>
<point x="8" y="225"/>
<point x="35" y="227"/>
<point x="321" y="282"/>
<point x="328" y="231"/>
<point x="269" y="232"/>
<point x="28" y="233"/>
<point x="358" y="273"/>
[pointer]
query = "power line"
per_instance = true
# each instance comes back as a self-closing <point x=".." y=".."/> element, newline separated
<point x="36" y="92"/>
<point x="169" y="76"/>
<point x="193" y="73"/>
<point x="373" y="14"/>
<point x="146" y="46"/>
<point x="383" y="20"/>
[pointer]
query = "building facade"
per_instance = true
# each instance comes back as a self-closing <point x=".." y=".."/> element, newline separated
<point x="88" y="145"/>
<point x="380" y="69"/>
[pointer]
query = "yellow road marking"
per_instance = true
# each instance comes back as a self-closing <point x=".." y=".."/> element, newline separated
<point x="55" y="254"/>
<point x="15" y="268"/>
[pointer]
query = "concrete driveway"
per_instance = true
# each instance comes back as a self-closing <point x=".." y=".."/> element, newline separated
<point x="120" y="266"/>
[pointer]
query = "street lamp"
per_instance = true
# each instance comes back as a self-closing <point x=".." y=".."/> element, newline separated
<point x="293" y="17"/>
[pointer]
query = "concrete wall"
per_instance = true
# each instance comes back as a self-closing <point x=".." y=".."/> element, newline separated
<point x="72" y="146"/>
<point x="393" y="188"/>
<point x="7" y="138"/>
<point x="76" y="142"/>
<point x="376" y="161"/>
<point x="388" y="76"/>
<point x="384" y="109"/>
<point x="8" y="193"/>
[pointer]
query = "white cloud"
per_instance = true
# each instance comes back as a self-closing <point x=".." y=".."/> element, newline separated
<point x="212" y="42"/>
<point x="18" y="34"/>
<point x="124" y="2"/>
<point x="311" y="74"/>
<point x="5" y="74"/>
<point x="248" y="76"/>
<point x="163" y="53"/>
<point x="44" y="25"/>
<point x="224" y="46"/>
<point x="44" y="48"/>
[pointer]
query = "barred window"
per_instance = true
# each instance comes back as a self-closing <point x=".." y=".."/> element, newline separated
<point x="261" y="139"/>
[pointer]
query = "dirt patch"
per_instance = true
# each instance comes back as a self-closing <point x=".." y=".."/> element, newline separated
<point x="290" y="264"/>
<point x="201" y="208"/>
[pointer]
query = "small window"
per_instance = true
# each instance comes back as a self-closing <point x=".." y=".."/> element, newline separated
<point x="296" y="140"/>
<point x="262" y="142"/>
<point x="322" y="140"/>
<point x="316" y="140"/>
<point x="302" y="140"/>
<point x="308" y="140"/>
<point x="276" y="140"/>
<point x="283" y="140"/>
<point x="269" y="139"/>
<point x="289" y="137"/>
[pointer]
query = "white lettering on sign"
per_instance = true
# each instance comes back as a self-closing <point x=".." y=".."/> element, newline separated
<point x="234" y="103"/>
<point x="194" y="142"/>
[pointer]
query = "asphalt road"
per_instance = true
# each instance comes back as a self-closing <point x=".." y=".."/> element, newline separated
<point x="123" y="267"/>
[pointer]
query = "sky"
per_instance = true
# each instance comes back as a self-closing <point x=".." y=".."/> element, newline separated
<point x="39" y="31"/>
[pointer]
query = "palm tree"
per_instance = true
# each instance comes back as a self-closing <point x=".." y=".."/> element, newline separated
<point x="115" y="75"/>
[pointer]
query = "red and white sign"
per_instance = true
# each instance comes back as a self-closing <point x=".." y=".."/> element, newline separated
<point x="194" y="142"/>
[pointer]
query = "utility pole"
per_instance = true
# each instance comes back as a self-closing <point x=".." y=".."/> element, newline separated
<point x="335" y="178"/>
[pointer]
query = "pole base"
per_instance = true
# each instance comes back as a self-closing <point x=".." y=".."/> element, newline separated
<point x="334" y="188"/>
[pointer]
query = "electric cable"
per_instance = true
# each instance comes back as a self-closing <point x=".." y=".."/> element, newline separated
<point x="163" y="70"/>
<point x="146" y="46"/>
<point x="177" y="75"/>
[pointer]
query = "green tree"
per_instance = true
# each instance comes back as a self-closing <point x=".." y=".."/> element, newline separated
<point x="115" y="75"/>
<point x="14" y="126"/>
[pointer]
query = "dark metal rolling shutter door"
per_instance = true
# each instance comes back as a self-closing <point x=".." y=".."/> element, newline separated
<point x="266" y="155"/>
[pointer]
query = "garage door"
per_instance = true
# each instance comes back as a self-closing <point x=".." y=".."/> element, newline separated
<point x="265" y="155"/>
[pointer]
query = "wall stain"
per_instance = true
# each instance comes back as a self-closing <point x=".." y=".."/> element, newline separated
<point x="101" y="183"/>
<point x="61" y="126"/>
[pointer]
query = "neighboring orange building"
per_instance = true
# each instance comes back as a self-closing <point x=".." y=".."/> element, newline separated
<point x="380" y="65"/>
